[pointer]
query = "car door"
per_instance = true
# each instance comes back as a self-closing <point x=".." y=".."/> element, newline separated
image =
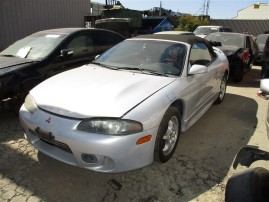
<point x="203" y="86"/>
<point x="85" y="46"/>
<point x="82" y="51"/>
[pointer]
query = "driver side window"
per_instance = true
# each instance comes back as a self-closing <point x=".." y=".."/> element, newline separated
<point x="81" y="45"/>
<point x="200" y="54"/>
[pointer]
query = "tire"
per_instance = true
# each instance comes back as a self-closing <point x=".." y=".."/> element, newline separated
<point x="251" y="185"/>
<point x="17" y="102"/>
<point x="168" y="135"/>
<point x="238" y="72"/>
<point x="223" y="85"/>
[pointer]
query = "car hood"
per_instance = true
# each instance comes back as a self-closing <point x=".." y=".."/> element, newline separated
<point x="12" y="61"/>
<point x="93" y="91"/>
<point x="228" y="50"/>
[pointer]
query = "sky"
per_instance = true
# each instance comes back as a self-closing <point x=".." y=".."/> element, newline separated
<point x="218" y="9"/>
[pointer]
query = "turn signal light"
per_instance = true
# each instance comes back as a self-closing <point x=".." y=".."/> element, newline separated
<point x="144" y="139"/>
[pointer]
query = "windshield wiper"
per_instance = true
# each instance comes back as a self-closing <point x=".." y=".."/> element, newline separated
<point x="144" y="71"/>
<point x="8" y="55"/>
<point x="104" y="65"/>
<point x="153" y="72"/>
<point x="131" y="68"/>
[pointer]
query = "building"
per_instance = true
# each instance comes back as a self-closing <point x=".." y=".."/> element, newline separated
<point x="19" y="18"/>
<point x="253" y="27"/>
<point x="259" y="11"/>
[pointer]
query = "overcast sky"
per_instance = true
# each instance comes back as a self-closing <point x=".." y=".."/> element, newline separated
<point x="218" y="9"/>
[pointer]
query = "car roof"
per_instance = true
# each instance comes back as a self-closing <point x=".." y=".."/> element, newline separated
<point x="230" y="33"/>
<point x="214" y="26"/>
<point x="263" y="35"/>
<point x="190" y="39"/>
<point x="70" y="30"/>
<point x="175" y="32"/>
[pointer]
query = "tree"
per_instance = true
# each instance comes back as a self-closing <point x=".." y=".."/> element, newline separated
<point x="189" y="22"/>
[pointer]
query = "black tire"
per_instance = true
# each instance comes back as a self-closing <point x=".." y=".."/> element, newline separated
<point x="223" y="86"/>
<point x="15" y="106"/>
<point x="238" y="72"/>
<point x="251" y="185"/>
<point x="168" y="135"/>
<point x="17" y="102"/>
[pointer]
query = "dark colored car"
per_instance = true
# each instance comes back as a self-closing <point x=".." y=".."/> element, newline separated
<point x="41" y="55"/>
<point x="260" y="40"/>
<point x="240" y="49"/>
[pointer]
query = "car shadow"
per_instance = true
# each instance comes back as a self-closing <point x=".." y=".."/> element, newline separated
<point x="201" y="161"/>
<point x="250" y="79"/>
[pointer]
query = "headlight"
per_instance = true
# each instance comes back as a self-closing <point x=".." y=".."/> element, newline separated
<point x="110" y="126"/>
<point x="30" y="104"/>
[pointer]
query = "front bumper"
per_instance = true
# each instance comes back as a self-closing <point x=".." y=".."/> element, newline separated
<point x="58" y="138"/>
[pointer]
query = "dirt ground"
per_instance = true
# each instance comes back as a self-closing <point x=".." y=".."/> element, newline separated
<point x="198" y="170"/>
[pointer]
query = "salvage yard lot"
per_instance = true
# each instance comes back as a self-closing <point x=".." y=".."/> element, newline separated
<point x="198" y="170"/>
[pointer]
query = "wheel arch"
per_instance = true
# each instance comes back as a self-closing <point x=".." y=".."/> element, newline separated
<point x="179" y="104"/>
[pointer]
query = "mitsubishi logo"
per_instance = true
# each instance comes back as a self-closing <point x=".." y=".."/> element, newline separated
<point x="48" y="120"/>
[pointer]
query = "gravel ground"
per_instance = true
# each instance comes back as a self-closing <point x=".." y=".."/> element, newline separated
<point x="198" y="170"/>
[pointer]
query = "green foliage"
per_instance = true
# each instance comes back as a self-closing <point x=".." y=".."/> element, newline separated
<point x="189" y="22"/>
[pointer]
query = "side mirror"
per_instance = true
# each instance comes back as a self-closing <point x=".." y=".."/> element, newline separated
<point x="198" y="69"/>
<point x="66" y="53"/>
<point x="97" y="56"/>
<point x="215" y="43"/>
<point x="264" y="86"/>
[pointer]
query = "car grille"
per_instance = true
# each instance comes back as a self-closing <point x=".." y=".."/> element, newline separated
<point x="50" y="141"/>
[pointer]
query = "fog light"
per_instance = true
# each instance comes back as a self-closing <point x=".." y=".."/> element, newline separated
<point x="89" y="158"/>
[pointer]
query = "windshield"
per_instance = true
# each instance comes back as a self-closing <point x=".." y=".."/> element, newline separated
<point x="227" y="39"/>
<point x="35" y="47"/>
<point x="261" y="39"/>
<point x="146" y="55"/>
<point x="205" y="30"/>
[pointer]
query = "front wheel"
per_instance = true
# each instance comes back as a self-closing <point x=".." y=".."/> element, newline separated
<point x="223" y="85"/>
<point x="168" y="135"/>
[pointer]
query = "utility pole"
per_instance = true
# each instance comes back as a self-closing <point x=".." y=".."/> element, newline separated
<point x="160" y="11"/>
<point x="206" y="7"/>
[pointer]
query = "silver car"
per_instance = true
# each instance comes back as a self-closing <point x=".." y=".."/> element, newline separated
<point x="128" y="107"/>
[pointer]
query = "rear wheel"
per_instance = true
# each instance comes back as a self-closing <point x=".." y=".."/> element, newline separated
<point x="168" y="135"/>
<point x="238" y="72"/>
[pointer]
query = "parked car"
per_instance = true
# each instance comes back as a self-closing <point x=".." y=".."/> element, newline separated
<point x="41" y="55"/>
<point x="129" y="106"/>
<point x="260" y="40"/>
<point x="240" y="49"/>
<point x="203" y="31"/>
<point x="251" y="184"/>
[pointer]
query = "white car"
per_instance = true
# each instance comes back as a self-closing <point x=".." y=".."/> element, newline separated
<point x="203" y="31"/>
<point x="129" y="106"/>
